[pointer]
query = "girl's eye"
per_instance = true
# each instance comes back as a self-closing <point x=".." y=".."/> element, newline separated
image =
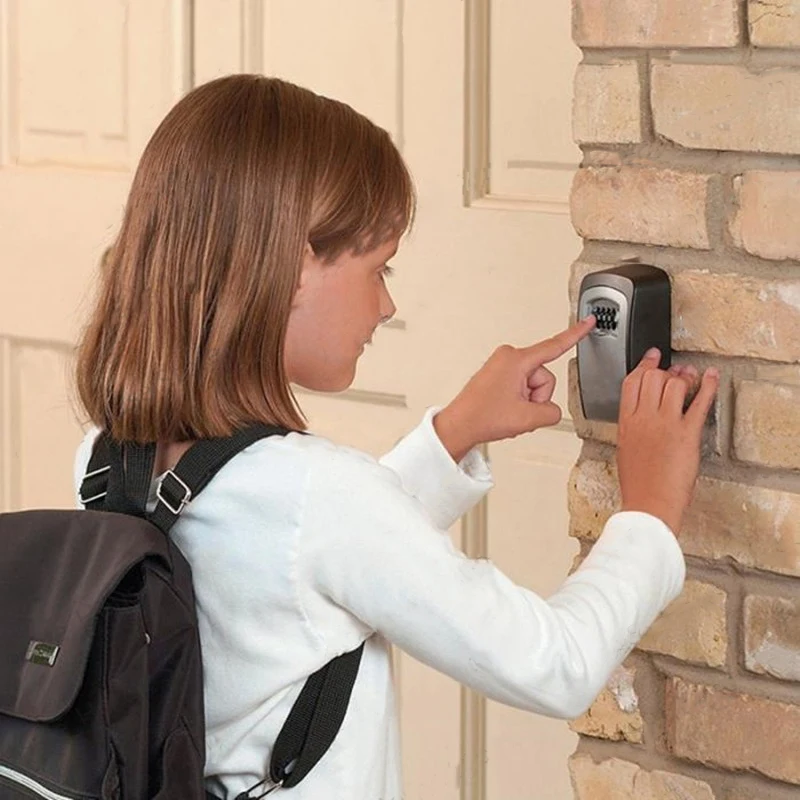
<point x="387" y="271"/>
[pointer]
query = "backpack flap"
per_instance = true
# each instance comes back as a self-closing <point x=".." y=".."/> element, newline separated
<point x="58" y="568"/>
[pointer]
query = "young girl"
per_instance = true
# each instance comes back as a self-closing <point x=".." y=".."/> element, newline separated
<point x="252" y="256"/>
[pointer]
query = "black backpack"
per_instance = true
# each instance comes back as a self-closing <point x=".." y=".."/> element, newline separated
<point x="101" y="691"/>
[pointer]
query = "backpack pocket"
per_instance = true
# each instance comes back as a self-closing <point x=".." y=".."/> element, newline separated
<point x="181" y="766"/>
<point x="100" y="660"/>
<point x="15" y="785"/>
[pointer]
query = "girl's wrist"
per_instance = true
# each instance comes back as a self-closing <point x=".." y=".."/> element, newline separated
<point x="451" y="432"/>
<point x="666" y="512"/>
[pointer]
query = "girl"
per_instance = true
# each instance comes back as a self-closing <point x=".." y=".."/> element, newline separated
<point x="252" y="255"/>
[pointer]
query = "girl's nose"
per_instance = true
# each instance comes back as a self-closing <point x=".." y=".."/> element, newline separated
<point x="388" y="308"/>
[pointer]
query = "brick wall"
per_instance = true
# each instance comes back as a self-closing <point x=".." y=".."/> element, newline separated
<point x="688" y="114"/>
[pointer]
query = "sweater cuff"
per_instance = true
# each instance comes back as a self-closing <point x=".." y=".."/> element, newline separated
<point x="427" y="472"/>
<point x="654" y="546"/>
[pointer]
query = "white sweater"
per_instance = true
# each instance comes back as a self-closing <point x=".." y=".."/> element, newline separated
<point x="302" y="549"/>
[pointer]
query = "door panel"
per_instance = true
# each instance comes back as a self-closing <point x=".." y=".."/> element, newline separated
<point x="83" y="85"/>
<point x="527" y="520"/>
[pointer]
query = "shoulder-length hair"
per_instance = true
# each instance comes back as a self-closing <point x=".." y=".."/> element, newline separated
<point x="187" y="335"/>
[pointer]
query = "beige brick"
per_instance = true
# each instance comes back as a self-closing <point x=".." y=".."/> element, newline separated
<point x="727" y="107"/>
<point x="733" y="731"/>
<point x="606" y="105"/>
<point x="660" y="785"/>
<point x="769" y="208"/>
<point x="772" y="636"/>
<point x="767" y="424"/>
<point x="615" y="713"/>
<point x="774" y="23"/>
<point x="652" y="206"/>
<point x="734" y="315"/>
<point x="756" y="526"/>
<point x="593" y="496"/>
<point x="609" y="780"/>
<point x="693" y="627"/>
<point x="615" y="779"/>
<point x="656" y="23"/>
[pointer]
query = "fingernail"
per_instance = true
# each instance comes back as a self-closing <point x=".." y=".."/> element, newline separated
<point x="712" y="372"/>
<point x="653" y="352"/>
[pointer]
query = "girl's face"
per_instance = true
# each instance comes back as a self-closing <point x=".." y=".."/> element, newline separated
<point x="334" y="313"/>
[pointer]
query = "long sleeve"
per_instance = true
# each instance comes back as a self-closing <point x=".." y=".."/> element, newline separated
<point x="366" y="546"/>
<point x="426" y="471"/>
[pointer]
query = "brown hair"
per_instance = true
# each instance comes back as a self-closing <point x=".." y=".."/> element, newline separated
<point x="186" y="340"/>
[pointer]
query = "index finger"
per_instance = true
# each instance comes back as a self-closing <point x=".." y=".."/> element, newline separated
<point x="555" y="347"/>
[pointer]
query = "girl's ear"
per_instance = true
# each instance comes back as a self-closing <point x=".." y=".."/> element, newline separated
<point x="308" y="268"/>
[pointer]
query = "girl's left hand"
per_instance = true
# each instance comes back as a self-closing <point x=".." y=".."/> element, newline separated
<point x="511" y="394"/>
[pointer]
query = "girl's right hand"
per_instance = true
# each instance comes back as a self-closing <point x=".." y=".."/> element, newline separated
<point x="658" y="451"/>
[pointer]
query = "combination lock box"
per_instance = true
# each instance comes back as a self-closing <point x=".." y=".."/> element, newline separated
<point x="632" y="305"/>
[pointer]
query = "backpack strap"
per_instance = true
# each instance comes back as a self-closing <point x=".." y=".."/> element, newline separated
<point x="117" y="477"/>
<point x="314" y="720"/>
<point x="130" y="476"/>
<point x="319" y="710"/>
<point x="198" y="465"/>
<point x="94" y="487"/>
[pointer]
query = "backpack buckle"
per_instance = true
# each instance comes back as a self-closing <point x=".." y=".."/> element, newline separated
<point x="247" y="796"/>
<point x="100" y="486"/>
<point x="174" y="498"/>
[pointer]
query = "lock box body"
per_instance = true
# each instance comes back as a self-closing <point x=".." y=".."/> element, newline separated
<point x="632" y="304"/>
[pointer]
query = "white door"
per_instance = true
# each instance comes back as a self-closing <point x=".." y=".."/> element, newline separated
<point x="487" y="96"/>
<point x="477" y="94"/>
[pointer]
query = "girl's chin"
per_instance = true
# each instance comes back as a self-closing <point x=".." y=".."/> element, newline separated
<point x="330" y="383"/>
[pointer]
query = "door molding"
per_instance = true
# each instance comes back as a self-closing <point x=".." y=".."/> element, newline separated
<point x="477" y="116"/>
<point x="475" y="544"/>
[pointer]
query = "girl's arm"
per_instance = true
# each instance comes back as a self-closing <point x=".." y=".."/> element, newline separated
<point x="367" y="546"/>
<point x="427" y="472"/>
<point x="510" y="395"/>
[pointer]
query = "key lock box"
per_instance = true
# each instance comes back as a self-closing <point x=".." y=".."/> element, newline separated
<point x="632" y="306"/>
